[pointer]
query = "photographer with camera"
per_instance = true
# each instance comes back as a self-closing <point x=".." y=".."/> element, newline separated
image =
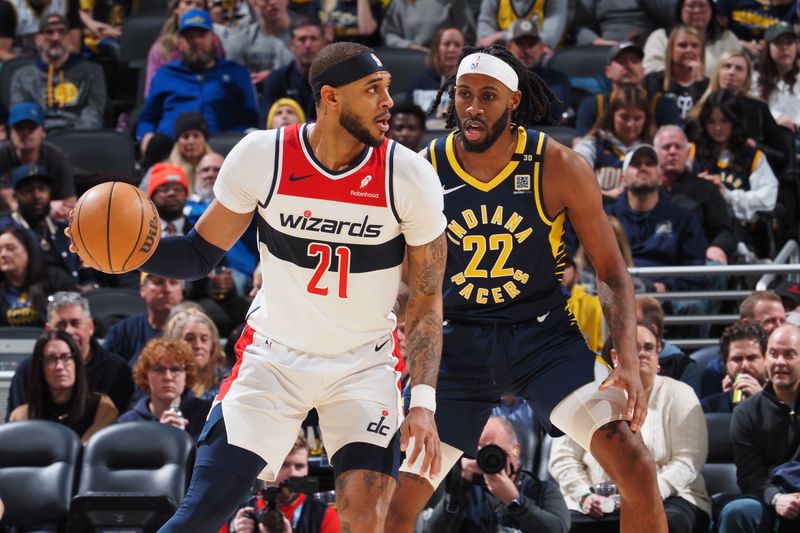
<point x="296" y="511"/>
<point x="492" y="494"/>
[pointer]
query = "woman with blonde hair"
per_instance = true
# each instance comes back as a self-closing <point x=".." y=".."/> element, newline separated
<point x="734" y="73"/>
<point x="197" y="330"/>
<point x="683" y="74"/>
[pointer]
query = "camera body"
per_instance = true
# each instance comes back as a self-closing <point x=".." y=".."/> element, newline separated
<point x="271" y="517"/>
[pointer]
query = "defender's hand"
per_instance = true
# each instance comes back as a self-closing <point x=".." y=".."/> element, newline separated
<point x="420" y="425"/>
<point x="628" y="380"/>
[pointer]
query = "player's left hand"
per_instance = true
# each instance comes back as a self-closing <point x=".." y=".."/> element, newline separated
<point x="501" y="486"/>
<point x="628" y="379"/>
<point x="421" y="426"/>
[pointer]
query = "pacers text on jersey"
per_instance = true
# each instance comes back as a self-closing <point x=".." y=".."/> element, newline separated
<point x="481" y="240"/>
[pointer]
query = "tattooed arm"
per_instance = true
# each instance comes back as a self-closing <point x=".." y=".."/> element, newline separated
<point x="576" y="191"/>
<point x="423" y="329"/>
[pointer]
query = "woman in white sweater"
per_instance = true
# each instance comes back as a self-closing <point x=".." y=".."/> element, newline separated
<point x="675" y="434"/>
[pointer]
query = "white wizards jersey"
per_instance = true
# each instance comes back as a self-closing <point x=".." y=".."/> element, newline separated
<point x="331" y="242"/>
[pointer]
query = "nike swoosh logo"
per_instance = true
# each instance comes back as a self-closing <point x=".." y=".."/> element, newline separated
<point x="543" y="317"/>
<point x="379" y="346"/>
<point x="448" y="191"/>
<point x="292" y="177"/>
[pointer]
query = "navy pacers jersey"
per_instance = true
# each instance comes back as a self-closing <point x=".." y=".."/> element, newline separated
<point x="505" y="256"/>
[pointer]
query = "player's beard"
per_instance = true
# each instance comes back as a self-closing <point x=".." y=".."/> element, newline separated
<point x="495" y="132"/>
<point x="352" y="124"/>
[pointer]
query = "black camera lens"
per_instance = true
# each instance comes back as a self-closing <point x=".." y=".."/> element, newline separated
<point x="491" y="459"/>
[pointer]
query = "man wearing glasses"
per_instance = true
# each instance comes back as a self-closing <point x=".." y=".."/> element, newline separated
<point x="71" y="91"/>
<point x="106" y="372"/>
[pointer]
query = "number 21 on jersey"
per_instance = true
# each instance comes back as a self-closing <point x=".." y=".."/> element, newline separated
<point x="325" y="254"/>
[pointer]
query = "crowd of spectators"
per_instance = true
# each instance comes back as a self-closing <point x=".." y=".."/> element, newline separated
<point x="692" y="131"/>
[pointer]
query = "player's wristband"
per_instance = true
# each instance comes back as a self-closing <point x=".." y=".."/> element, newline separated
<point x="423" y="396"/>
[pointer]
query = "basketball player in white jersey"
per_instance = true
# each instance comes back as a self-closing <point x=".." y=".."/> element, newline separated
<point x="336" y="204"/>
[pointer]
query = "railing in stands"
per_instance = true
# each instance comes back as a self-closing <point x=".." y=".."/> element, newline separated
<point x="787" y="262"/>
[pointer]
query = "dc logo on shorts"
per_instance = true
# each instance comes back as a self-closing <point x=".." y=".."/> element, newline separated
<point x="379" y="427"/>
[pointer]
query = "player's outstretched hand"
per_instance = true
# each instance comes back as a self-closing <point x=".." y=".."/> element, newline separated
<point x="419" y="428"/>
<point x="628" y="379"/>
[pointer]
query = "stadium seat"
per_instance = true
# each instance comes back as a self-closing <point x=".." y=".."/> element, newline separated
<point x="98" y="156"/>
<point x="404" y="64"/>
<point x="16" y="343"/>
<point x="6" y="73"/>
<point x="142" y="458"/>
<point x="223" y="143"/>
<point x="580" y="61"/>
<point x="152" y="7"/>
<point x="719" y="471"/>
<point x="109" y="306"/>
<point x="38" y="461"/>
<point x="138" y="34"/>
<point x="562" y="134"/>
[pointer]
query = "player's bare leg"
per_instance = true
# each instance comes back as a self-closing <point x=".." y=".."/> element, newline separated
<point x="412" y="493"/>
<point x="627" y="462"/>
<point x="362" y="499"/>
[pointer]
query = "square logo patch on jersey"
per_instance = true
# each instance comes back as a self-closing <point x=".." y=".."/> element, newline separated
<point x="522" y="183"/>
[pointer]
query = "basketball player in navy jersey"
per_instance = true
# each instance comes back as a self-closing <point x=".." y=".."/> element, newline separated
<point x="508" y="190"/>
<point x="337" y="206"/>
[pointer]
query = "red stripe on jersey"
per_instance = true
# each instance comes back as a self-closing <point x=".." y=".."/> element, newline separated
<point x="299" y="177"/>
<point x="401" y="363"/>
<point x="245" y="339"/>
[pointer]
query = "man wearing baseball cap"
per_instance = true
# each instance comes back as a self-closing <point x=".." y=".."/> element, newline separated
<point x="624" y="67"/>
<point x="26" y="145"/>
<point x="32" y="193"/>
<point x="219" y="89"/>
<point x="525" y="42"/>
<point x="22" y="20"/>
<point x="70" y="90"/>
<point x="660" y="233"/>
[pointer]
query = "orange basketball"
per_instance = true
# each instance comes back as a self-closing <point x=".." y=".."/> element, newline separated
<point x="115" y="227"/>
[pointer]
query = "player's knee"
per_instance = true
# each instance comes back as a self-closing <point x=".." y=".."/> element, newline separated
<point x="366" y="518"/>
<point x="624" y="456"/>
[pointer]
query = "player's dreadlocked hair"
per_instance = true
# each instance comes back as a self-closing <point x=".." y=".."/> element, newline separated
<point x="534" y="106"/>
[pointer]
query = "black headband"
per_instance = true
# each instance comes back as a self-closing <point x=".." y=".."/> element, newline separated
<point x="347" y="71"/>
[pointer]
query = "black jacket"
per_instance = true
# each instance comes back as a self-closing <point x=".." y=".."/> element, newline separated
<point x="469" y="508"/>
<point x="702" y="197"/>
<point x="765" y="434"/>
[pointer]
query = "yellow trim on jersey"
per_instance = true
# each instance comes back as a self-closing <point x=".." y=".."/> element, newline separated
<point x="432" y="153"/>
<point x="756" y="159"/>
<point x="557" y="245"/>
<point x="603" y="362"/>
<point x="537" y="188"/>
<point x="497" y="180"/>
